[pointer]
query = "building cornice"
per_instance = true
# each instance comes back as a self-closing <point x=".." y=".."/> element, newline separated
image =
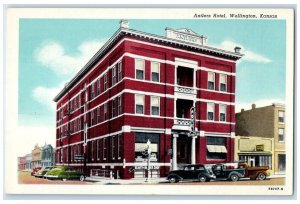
<point x="144" y="36"/>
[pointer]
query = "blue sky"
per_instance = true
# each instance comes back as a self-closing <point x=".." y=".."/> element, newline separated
<point x="52" y="50"/>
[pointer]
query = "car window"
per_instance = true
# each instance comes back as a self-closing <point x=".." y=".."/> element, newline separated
<point x="200" y="168"/>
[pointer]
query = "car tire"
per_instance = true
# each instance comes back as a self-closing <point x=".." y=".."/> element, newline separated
<point x="261" y="176"/>
<point x="172" y="179"/>
<point x="234" y="177"/>
<point x="81" y="178"/>
<point x="202" y="178"/>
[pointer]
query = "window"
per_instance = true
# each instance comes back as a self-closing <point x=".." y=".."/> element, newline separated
<point x="75" y="152"/>
<point x="216" y="148"/>
<point x="92" y="118"/>
<point x="280" y="135"/>
<point x="210" y="111"/>
<point x="139" y="104"/>
<point x="119" y="105"/>
<point x="222" y="109"/>
<point x="75" y="126"/>
<point x="97" y="150"/>
<point x="155" y="71"/>
<point x="113" y="108"/>
<point x="79" y="100"/>
<point x="92" y="90"/>
<point x="112" y="147"/>
<point x="67" y="155"/>
<point x="281" y="116"/>
<point x="139" y="69"/>
<point x="79" y="124"/>
<point x="78" y="148"/>
<point x="105" y="82"/>
<point x="211" y="81"/>
<point x="71" y="106"/>
<point x="98" y="86"/>
<point x="105" y="111"/>
<point x="113" y="76"/>
<point x="75" y="103"/>
<point x="61" y="154"/>
<point x="104" y="148"/>
<point x="120" y="71"/>
<point x="71" y="154"/>
<point x="98" y="114"/>
<point x="223" y="82"/>
<point x="92" y="150"/>
<point x="154" y="105"/>
<point x="119" y="146"/>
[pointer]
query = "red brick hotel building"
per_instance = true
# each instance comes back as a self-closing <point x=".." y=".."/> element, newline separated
<point x="141" y="87"/>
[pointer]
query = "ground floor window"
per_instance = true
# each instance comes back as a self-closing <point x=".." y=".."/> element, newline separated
<point x="281" y="162"/>
<point x="141" y="146"/>
<point x="216" y="148"/>
<point x="257" y="160"/>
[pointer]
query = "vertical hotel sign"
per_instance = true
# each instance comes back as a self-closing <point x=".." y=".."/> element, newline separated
<point x="186" y="35"/>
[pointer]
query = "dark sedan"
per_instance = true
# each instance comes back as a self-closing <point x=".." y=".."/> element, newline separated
<point x="191" y="173"/>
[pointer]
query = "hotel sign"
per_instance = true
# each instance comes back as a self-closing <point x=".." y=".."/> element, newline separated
<point x="186" y="35"/>
<point x="260" y="148"/>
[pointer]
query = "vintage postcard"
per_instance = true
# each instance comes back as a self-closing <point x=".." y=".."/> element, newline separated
<point x="157" y="101"/>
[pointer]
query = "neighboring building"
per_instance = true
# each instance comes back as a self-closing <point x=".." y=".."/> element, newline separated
<point x="257" y="151"/>
<point x="28" y="161"/>
<point x="141" y="86"/>
<point x="269" y="122"/>
<point x="21" y="163"/>
<point x="36" y="156"/>
<point x="47" y="155"/>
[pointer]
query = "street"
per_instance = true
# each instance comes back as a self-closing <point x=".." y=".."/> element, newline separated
<point x="26" y="178"/>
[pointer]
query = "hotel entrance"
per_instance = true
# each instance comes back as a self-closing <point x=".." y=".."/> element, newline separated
<point x="183" y="150"/>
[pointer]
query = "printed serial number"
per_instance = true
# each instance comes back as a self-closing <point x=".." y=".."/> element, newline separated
<point x="275" y="189"/>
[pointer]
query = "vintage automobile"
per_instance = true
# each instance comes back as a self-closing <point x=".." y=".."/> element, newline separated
<point x="196" y="172"/>
<point x="43" y="171"/>
<point x="256" y="172"/>
<point x="64" y="173"/>
<point x="36" y="169"/>
<point x="228" y="172"/>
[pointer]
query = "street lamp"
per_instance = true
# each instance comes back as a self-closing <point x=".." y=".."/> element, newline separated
<point x="148" y="160"/>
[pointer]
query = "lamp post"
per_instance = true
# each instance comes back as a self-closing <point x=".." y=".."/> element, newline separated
<point x="148" y="160"/>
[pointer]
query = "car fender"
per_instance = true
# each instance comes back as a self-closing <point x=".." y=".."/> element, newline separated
<point x="176" y="176"/>
<point x="235" y="172"/>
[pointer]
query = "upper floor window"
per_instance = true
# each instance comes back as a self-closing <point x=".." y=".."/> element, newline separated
<point x="210" y="111"/>
<point x="104" y="149"/>
<point x="281" y="135"/>
<point x="105" y="82"/>
<point x="92" y="150"/>
<point x="281" y="116"/>
<point x="113" y="108"/>
<point x="223" y="82"/>
<point x="211" y="81"/>
<point x="79" y="100"/>
<point x="98" y="86"/>
<point x="112" y="148"/>
<point x="119" y="105"/>
<point x="120" y="71"/>
<point x="98" y="114"/>
<point x="98" y="149"/>
<point x="139" y="69"/>
<point x="222" y="110"/>
<point x="119" y="146"/>
<point x="139" y="104"/>
<point x="105" y="111"/>
<point x="92" y="91"/>
<point x="154" y="105"/>
<point x="92" y="118"/>
<point x="113" y="76"/>
<point x="155" y="71"/>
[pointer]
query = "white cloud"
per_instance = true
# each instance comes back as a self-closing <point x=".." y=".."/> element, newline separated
<point x="248" y="54"/>
<point x="258" y="103"/>
<point x="45" y="95"/>
<point x="52" y="55"/>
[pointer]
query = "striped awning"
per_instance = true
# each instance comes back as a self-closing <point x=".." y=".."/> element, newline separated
<point x="216" y="149"/>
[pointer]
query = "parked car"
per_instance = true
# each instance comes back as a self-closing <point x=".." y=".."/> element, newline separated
<point x="191" y="173"/>
<point x="64" y="173"/>
<point x="256" y="172"/>
<point x="228" y="172"/>
<point x="43" y="171"/>
<point x="36" y="169"/>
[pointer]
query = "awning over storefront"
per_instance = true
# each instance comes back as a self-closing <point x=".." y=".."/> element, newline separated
<point x="255" y="153"/>
<point x="216" y="148"/>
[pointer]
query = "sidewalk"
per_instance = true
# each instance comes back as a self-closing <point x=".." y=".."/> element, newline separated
<point x="107" y="181"/>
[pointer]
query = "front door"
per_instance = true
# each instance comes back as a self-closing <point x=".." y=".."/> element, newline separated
<point x="184" y="149"/>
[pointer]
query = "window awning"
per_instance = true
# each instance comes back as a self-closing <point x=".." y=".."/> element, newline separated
<point x="216" y="148"/>
<point x="140" y="147"/>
